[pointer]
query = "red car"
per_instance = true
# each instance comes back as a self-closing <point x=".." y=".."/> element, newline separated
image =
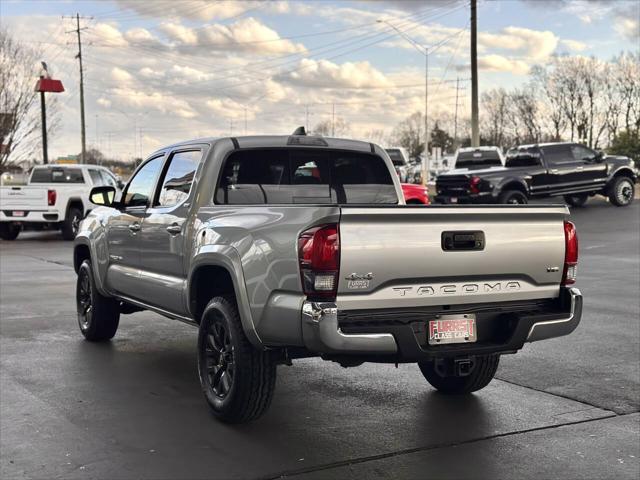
<point x="415" y="194"/>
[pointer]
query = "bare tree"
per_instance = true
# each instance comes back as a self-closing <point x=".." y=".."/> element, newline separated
<point x="627" y="75"/>
<point x="410" y="134"/>
<point x="377" y="136"/>
<point x="339" y="128"/>
<point x="495" y="112"/>
<point x="19" y="120"/>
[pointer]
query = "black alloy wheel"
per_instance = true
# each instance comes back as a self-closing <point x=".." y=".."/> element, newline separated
<point x="219" y="357"/>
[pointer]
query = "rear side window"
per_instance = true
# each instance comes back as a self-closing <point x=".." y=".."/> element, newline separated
<point x="57" y="175"/>
<point x="179" y="177"/>
<point x="298" y="176"/>
<point x="523" y="157"/>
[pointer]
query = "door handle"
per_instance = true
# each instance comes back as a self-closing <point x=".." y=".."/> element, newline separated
<point x="174" y="229"/>
<point x="580" y="168"/>
<point x="554" y="170"/>
<point x="134" y="227"/>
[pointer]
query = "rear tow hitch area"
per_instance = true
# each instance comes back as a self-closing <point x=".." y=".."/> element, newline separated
<point x="456" y="367"/>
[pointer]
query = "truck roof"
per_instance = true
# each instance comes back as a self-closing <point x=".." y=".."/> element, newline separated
<point x="257" y="141"/>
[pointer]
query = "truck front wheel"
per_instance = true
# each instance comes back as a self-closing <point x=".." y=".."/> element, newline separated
<point x="9" y="231"/>
<point x="98" y="316"/>
<point x="442" y="374"/>
<point x="621" y="191"/>
<point x="237" y="379"/>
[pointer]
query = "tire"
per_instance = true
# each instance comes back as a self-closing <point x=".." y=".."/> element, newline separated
<point x="9" y="231"/>
<point x="98" y="316"/>
<point x="513" y="197"/>
<point x="237" y="379"/>
<point x="71" y="223"/>
<point x="621" y="191"/>
<point x="483" y="371"/>
<point x="576" y="200"/>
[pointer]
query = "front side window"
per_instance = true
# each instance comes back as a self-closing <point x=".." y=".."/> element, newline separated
<point x="582" y="154"/>
<point x="558" y="154"/>
<point x="96" y="179"/>
<point x="108" y="179"/>
<point x="298" y="176"/>
<point x="179" y="177"/>
<point x="57" y="175"/>
<point x="140" y="187"/>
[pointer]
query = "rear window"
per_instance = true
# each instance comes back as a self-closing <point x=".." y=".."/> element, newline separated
<point x="481" y="158"/>
<point x="396" y="157"/>
<point x="57" y="175"/>
<point x="299" y="176"/>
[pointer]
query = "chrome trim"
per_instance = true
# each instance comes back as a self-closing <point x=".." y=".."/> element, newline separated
<point x="561" y="326"/>
<point x="322" y="334"/>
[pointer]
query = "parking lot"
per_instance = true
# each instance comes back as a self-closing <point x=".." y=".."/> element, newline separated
<point x="132" y="408"/>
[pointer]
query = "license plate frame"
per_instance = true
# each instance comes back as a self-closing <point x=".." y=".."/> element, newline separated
<point x="18" y="213"/>
<point x="452" y="329"/>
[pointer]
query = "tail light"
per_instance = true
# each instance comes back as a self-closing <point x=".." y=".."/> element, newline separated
<point x="570" y="254"/>
<point x="319" y="258"/>
<point x="52" y="196"/>
<point x="474" y="184"/>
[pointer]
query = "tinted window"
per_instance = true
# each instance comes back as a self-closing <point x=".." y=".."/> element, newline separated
<point x="480" y="158"/>
<point x="557" y="154"/>
<point x="108" y="179"/>
<point x="396" y="156"/>
<point x="523" y="157"/>
<point x="95" y="177"/>
<point x="581" y="153"/>
<point x="57" y="175"/>
<point x="179" y="177"/>
<point x="281" y="176"/>
<point x="141" y="185"/>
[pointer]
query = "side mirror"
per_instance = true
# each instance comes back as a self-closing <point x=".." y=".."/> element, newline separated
<point x="103" y="195"/>
<point x="599" y="156"/>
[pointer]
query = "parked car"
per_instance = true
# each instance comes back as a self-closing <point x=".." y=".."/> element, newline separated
<point x="233" y="236"/>
<point x="570" y="170"/>
<point x="56" y="196"/>
<point x="401" y="164"/>
<point x="415" y="194"/>
<point x="478" y="157"/>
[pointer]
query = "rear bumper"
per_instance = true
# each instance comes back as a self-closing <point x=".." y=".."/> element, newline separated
<point x="397" y="340"/>
<point x="32" y="216"/>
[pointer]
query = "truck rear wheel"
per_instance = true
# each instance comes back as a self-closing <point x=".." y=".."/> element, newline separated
<point x="9" y="231"/>
<point x="237" y="379"/>
<point x="71" y="223"/>
<point x="98" y="316"/>
<point x="443" y="377"/>
<point x="576" y="200"/>
<point x="621" y="191"/>
<point x="513" y="197"/>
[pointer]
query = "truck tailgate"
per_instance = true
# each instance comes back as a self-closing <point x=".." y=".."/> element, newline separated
<point x="396" y="257"/>
<point x="23" y="198"/>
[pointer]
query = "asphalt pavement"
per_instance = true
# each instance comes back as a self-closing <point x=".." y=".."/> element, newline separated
<point x="132" y="408"/>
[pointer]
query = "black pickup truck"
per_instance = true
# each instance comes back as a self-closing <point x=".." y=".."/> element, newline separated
<point x="547" y="169"/>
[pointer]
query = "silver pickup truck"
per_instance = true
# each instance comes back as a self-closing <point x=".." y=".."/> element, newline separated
<point x="284" y="247"/>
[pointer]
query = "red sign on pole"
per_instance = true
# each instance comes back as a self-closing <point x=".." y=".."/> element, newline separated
<point x="45" y="84"/>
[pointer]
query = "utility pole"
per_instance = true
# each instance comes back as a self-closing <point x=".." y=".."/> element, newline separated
<point x="43" y="113"/>
<point x="455" y="118"/>
<point x="425" y="164"/>
<point x="83" y="130"/>
<point x="475" y="131"/>
<point x="333" y="119"/>
<point x="306" y="121"/>
<point x="231" y="127"/>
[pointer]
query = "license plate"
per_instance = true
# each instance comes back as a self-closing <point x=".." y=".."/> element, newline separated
<point x="18" y="213"/>
<point x="452" y="329"/>
<point x="453" y="199"/>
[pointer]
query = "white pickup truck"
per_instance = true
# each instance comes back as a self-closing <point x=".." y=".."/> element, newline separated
<point x="56" y="196"/>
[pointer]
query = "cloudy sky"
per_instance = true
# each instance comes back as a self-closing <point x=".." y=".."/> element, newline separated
<point x="162" y="71"/>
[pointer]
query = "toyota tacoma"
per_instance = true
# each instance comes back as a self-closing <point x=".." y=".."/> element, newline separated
<point x="285" y="247"/>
